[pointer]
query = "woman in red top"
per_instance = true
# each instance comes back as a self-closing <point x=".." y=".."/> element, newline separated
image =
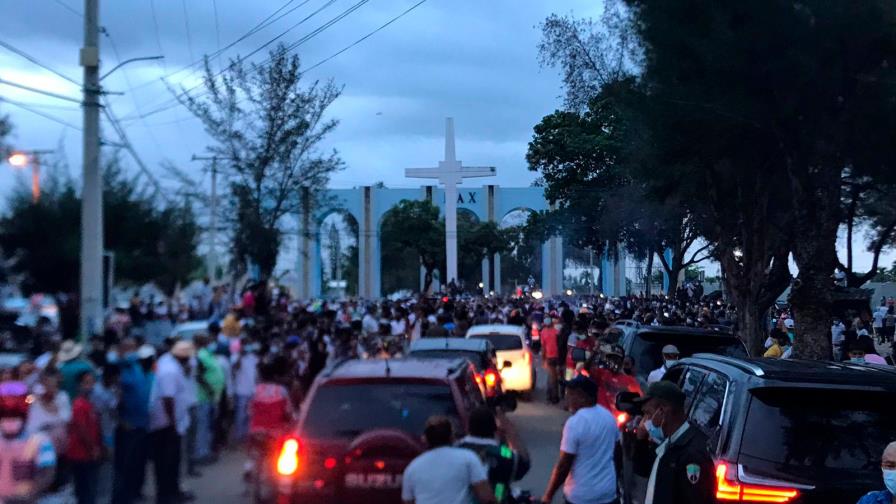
<point x="85" y="445"/>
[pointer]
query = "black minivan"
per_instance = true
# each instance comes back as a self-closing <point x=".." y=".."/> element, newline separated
<point x="793" y="431"/>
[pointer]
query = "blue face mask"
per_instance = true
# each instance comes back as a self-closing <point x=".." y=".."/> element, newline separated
<point x="655" y="432"/>
<point x="890" y="480"/>
<point x="857" y="360"/>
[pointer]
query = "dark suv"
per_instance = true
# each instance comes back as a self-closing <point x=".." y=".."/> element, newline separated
<point x="791" y="431"/>
<point x="645" y="345"/>
<point x="361" y="425"/>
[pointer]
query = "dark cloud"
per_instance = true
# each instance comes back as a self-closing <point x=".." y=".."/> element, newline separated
<point x="473" y="60"/>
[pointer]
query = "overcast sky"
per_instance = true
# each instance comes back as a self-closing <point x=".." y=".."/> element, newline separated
<point x="471" y="59"/>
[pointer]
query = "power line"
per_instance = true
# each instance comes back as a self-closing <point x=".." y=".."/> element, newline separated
<point x="187" y="25"/>
<point x="301" y="41"/>
<point x="39" y="91"/>
<point x="51" y="117"/>
<point x="258" y="27"/>
<point x="69" y="8"/>
<point x="365" y="37"/>
<point x="217" y="26"/>
<point x="127" y="81"/>
<point x="155" y="23"/>
<point x="34" y="60"/>
<point x="175" y="101"/>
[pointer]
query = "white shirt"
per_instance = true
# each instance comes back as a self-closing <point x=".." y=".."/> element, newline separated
<point x="170" y="382"/>
<point x="55" y="424"/>
<point x="398" y="327"/>
<point x="245" y="378"/>
<point x="370" y="325"/>
<point x="591" y="436"/>
<point x="442" y="476"/>
<point x="879" y="316"/>
<point x="837" y="333"/>
<point x="660" y="450"/>
<point x="657" y="374"/>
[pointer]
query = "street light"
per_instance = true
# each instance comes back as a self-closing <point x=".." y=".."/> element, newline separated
<point x="22" y="159"/>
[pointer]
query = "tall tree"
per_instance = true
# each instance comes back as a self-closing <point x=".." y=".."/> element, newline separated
<point x="794" y="93"/>
<point x="152" y="242"/>
<point x="267" y="126"/>
<point x="415" y="226"/>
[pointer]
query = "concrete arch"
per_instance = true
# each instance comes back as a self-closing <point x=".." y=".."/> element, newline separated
<point x="369" y="204"/>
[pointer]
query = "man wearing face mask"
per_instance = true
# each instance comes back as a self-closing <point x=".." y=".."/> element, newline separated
<point x="670" y="357"/>
<point x="683" y="470"/>
<point x="888" y="466"/>
<point x="19" y="450"/>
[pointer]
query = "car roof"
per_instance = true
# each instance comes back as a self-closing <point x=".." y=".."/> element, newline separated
<point x="478" y="330"/>
<point x="684" y="331"/>
<point x="804" y="371"/>
<point x="463" y="344"/>
<point x="408" y="367"/>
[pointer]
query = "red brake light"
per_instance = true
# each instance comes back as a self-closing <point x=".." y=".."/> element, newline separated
<point x="329" y="463"/>
<point x="288" y="460"/>
<point x="728" y="488"/>
<point x="478" y="379"/>
<point x="621" y="418"/>
<point x="490" y="378"/>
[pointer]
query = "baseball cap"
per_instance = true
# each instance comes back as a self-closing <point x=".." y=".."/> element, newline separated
<point x="665" y="391"/>
<point x="671" y="349"/>
<point x="584" y="384"/>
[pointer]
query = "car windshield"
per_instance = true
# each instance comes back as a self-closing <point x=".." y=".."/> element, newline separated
<point x="502" y="341"/>
<point x="475" y="357"/>
<point x="647" y="348"/>
<point x="819" y="429"/>
<point x="344" y="411"/>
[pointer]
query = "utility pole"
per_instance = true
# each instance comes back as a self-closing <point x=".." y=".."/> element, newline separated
<point x="213" y="232"/>
<point x="92" y="191"/>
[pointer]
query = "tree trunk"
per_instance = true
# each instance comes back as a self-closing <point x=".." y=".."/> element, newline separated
<point x="816" y="209"/>
<point x="749" y="325"/>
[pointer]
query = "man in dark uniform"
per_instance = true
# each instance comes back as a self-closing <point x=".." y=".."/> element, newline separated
<point x="683" y="471"/>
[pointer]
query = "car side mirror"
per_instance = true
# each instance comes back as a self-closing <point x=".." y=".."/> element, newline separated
<point x="507" y="364"/>
<point x="578" y="355"/>
<point x="625" y="401"/>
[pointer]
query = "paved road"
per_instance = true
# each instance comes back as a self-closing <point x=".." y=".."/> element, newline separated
<point x="540" y="425"/>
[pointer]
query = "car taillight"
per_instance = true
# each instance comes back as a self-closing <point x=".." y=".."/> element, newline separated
<point x="728" y="488"/>
<point x="478" y="379"/>
<point x="621" y="418"/>
<point x="288" y="460"/>
<point x="491" y="378"/>
<point x="528" y="357"/>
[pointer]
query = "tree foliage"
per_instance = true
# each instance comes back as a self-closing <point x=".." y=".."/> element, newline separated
<point x="415" y="226"/>
<point x="151" y="242"/>
<point x="267" y="126"/>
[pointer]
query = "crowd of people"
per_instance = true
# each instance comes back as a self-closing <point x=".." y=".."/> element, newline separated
<point x="100" y="413"/>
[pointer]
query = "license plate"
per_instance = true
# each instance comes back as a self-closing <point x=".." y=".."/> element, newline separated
<point x="380" y="481"/>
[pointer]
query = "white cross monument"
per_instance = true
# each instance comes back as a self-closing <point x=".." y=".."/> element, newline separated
<point x="450" y="172"/>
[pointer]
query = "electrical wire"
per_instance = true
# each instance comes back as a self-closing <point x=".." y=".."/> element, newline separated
<point x="187" y="26"/>
<point x="51" y="117"/>
<point x="34" y="60"/>
<point x="69" y="8"/>
<point x="39" y="91"/>
<point x="217" y="26"/>
<point x="155" y="22"/>
<point x="365" y="37"/>
<point x="264" y="23"/>
<point x="301" y="41"/>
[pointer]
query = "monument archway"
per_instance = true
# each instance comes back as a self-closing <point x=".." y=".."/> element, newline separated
<point x="368" y="205"/>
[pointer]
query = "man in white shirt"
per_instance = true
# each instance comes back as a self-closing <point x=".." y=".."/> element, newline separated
<point x="445" y="474"/>
<point x="670" y="357"/>
<point x="370" y="325"/>
<point x="585" y="467"/>
<point x="245" y="377"/>
<point x="170" y="398"/>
